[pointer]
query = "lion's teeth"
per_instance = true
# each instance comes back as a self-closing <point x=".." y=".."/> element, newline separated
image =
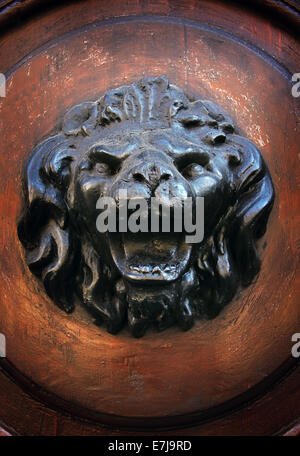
<point x="162" y="269"/>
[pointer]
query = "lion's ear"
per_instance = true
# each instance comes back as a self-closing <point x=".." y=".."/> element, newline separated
<point x="43" y="227"/>
<point x="255" y="197"/>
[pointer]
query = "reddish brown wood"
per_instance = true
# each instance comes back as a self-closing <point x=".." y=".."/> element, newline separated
<point x="270" y="414"/>
<point x="68" y="367"/>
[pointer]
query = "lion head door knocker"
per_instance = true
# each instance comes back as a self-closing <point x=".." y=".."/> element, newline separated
<point x="149" y="140"/>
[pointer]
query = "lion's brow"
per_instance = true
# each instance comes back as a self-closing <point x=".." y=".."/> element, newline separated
<point x="100" y="152"/>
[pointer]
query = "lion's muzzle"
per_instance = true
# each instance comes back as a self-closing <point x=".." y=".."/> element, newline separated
<point x="160" y="254"/>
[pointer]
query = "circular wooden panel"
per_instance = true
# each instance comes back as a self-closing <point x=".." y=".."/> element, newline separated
<point x="172" y="377"/>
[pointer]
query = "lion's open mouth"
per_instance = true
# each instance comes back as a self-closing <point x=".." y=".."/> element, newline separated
<point x="150" y="256"/>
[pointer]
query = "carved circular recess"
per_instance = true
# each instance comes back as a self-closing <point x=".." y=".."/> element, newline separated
<point x="226" y="324"/>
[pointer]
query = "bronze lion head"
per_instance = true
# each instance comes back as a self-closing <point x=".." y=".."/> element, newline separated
<point x="149" y="139"/>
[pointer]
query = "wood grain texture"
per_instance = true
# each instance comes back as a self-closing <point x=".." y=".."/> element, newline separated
<point x="75" y="52"/>
<point x="270" y="414"/>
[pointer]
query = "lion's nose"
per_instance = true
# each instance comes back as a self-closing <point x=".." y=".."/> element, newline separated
<point x="151" y="174"/>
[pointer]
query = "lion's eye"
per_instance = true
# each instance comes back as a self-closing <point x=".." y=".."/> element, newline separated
<point x="105" y="169"/>
<point x="102" y="168"/>
<point x="192" y="170"/>
<point x="192" y="163"/>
